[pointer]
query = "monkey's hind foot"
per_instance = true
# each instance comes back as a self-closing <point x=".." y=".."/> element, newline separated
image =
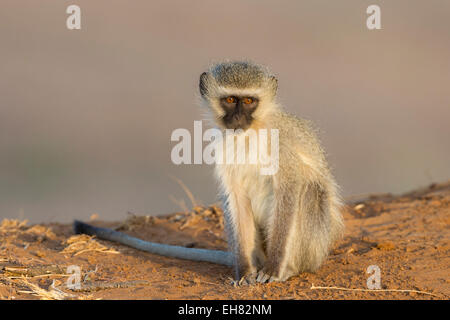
<point x="253" y="278"/>
<point x="263" y="277"/>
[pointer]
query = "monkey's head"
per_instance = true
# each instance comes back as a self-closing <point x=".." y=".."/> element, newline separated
<point x="238" y="93"/>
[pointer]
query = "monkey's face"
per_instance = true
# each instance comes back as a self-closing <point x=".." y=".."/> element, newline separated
<point x="238" y="94"/>
<point x="238" y="111"/>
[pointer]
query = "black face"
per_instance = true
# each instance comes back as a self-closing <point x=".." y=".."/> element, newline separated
<point x="238" y="111"/>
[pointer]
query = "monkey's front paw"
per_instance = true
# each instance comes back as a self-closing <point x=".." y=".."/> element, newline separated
<point x="249" y="279"/>
<point x="265" y="277"/>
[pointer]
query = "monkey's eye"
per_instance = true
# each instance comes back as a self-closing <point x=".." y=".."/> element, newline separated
<point x="231" y="99"/>
<point x="248" y="100"/>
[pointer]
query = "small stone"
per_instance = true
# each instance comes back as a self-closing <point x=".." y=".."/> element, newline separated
<point x="386" y="245"/>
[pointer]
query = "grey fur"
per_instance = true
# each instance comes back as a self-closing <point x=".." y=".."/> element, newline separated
<point x="300" y="205"/>
<point x="277" y="226"/>
<point x="238" y="74"/>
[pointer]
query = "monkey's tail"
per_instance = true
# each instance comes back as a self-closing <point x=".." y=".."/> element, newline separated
<point x="193" y="254"/>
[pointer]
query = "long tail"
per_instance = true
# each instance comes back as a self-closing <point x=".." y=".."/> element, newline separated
<point x="194" y="254"/>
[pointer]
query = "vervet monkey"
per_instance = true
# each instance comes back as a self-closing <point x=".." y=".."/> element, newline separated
<point x="277" y="225"/>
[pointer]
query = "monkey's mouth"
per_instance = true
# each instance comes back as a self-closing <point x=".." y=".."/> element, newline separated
<point x="236" y="122"/>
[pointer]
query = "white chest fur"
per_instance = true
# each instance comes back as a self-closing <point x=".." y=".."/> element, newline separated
<point x="247" y="181"/>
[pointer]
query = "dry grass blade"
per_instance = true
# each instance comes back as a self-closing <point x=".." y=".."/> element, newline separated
<point x="52" y="294"/>
<point x="79" y="244"/>
<point x="34" y="271"/>
<point x="11" y="225"/>
<point x="313" y="287"/>
<point x="186" y="190"/>
<point x="179" y="203"/>
<point x="23" y="285"/>
<point x="41" y="231"/>
<point x="102" y="285"/>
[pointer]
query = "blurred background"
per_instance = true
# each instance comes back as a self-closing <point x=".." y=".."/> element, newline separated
<point x="86" y="115"/>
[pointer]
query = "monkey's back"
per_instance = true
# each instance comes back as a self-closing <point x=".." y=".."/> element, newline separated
<point x="301" y="152"/>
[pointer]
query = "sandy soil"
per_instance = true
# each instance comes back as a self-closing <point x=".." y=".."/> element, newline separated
<point x="406" y="236"/>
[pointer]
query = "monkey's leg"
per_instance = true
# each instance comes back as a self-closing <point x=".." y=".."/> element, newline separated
<point x="315" y="226"/>
<point x="242" y="234"/>
<point x="300" y="236"/>
<point x="281" y="229"/>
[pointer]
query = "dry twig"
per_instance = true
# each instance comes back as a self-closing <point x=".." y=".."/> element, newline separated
<point x="313" y="287"/>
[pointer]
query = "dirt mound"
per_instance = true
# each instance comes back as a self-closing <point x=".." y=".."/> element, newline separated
<point x="407" y="237"/>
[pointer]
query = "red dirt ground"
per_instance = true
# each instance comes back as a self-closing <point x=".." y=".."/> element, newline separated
<point x="407" y="236"/>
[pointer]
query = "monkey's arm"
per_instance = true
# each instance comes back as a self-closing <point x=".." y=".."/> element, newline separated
<point x="241" y="233"/>
<point x="214" y="256"/>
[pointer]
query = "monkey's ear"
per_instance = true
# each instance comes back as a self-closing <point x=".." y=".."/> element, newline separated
<point x="274" y="84"/>
<point x="202" y="84"/>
